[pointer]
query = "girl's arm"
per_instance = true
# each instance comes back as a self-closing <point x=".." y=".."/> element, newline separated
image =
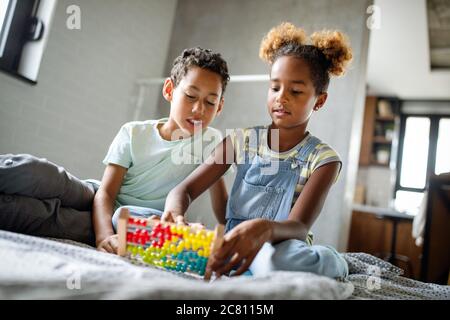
<point x="202" y="178"/>
<point x="103" y="208"/>
<point x="308" y="205"/>
<point x="244" y="241"/>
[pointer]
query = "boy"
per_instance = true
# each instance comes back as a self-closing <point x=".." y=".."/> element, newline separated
<point x="144" y="162"/>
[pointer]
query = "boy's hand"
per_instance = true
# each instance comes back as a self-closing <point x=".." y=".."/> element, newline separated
<point x="109" y="244"/>
<point x="240" y="247"/>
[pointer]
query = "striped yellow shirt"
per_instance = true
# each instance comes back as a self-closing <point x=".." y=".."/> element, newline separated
<point x="321" y="155"/>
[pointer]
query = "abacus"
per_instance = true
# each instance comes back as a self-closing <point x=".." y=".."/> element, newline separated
<point x="178" y="248"/>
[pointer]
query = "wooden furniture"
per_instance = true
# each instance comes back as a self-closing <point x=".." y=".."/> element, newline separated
<point x="435" y="264"/>
<point x="387" y="234"/>
<point x="376" y="230"/>
<point x="380" y="131"/>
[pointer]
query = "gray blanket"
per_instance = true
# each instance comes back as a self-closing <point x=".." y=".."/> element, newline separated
<point x="37" y="268"/>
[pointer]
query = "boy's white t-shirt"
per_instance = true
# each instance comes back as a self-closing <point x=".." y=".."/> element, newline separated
<point x="155" y="166"/>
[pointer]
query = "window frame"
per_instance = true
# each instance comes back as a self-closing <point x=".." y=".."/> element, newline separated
<point x="432" y="148"/>
<point x="21" y="18"/>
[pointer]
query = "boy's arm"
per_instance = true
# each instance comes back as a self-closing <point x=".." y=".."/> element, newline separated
<point x="219" y="198"/>
<point x="202" y="178"/>
<point x="103" y="208"/>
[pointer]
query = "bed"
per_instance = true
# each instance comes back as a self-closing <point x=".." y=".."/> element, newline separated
<point x="38" y="268"/>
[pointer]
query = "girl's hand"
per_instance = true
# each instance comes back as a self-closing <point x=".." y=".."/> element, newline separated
<point x="109" y="245"/>
<point x="179" y="219"/>
<point x="177" y="203"/>
<point x="174" y="217"/>
<point x="239" y="247"/>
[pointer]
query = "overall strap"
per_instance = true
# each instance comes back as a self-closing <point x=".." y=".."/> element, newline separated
<point x="252" y="143"/>
<point x="298" y="163"/>
<point x="305" y="150"/>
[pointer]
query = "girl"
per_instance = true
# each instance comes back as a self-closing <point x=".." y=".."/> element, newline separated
<point x="283" y="172"/>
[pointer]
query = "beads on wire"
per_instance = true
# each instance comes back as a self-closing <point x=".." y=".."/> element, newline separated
<point x="172" y="247"/>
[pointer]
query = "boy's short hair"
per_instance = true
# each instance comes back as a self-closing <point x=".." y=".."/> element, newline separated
<point x="202" y="58"/>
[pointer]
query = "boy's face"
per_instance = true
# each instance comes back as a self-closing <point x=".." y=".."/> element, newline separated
<point x="292" y="97"/>
<point x="195" y="101"/>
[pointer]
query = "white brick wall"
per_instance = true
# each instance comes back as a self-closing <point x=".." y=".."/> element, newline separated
<point x="85" y="89"/>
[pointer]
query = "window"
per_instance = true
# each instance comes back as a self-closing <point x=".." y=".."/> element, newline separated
<point x="16" y="15"/>
<point x="6" y="12"/>
<point x="24" y="28"/>
<point x="443" y="146"/>
<point x="415" y="152"/>
<point x="424" y="145"/>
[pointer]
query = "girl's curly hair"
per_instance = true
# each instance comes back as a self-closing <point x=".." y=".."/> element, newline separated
<point x="202" y="58"/>
<point x="327" y="52"/>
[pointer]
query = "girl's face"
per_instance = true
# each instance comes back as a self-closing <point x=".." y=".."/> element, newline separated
<point x="292" y="96"/>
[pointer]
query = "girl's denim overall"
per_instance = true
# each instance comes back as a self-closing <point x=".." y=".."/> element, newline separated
<point x="264" y="188"/>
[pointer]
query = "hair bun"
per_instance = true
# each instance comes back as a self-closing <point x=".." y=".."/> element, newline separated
<point x="336" y="48"/>
<point x="278" y="37"/>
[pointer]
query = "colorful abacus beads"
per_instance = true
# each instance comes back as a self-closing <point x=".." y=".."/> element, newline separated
<point x="176" y="248"/>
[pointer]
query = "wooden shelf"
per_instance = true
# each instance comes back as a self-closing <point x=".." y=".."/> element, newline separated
<point x="377" y="123"/>
<point x="379" y="118"/>
<point x="374" y="162"/>
<point x="378" y="164"/>
<point x="381" y="139"/>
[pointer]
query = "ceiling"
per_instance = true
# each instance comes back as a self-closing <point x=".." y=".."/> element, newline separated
<point x="400" y="50"/>
<point x="438" y="14"/>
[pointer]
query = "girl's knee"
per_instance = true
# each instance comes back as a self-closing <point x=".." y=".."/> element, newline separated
<point x="296" y="255"/>
<point x="331" y="263"/>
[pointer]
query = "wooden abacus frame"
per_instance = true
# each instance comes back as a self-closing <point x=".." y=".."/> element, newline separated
<point x="123" y="229"/>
